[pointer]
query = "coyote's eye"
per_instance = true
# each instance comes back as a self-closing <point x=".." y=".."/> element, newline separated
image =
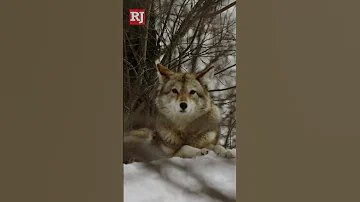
<point x="175" y="91"/>
<point x="192" y="92"/>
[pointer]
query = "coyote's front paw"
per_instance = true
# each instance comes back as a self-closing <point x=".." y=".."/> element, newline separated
<point x="202" y="152"/>
<point x="226" y="154"/>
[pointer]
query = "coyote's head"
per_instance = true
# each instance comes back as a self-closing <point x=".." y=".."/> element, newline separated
<point x="182" y="96"/>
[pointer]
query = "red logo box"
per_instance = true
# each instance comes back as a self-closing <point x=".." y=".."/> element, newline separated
<point x="137" y="17"/>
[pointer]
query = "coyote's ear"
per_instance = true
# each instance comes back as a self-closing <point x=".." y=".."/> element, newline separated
<point x="206" y="76"/>
<point x="163" y="73"/>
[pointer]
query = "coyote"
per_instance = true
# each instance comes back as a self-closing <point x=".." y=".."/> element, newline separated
<point x="187" y="122"/>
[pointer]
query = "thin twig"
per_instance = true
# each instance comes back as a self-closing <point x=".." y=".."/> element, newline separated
<point x="216" y="90"/>
<point x="225" y="69"/>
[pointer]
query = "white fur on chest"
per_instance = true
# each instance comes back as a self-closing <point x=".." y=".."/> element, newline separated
<point x="211" y="135"/>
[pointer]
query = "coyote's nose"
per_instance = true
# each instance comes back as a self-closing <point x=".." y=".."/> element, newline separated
<point x="183" y="105"/>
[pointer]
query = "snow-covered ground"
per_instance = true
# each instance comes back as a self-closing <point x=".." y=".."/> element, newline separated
<point x="181" y="180"/>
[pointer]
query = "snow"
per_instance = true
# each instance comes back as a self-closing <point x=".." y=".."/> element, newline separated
<point x="175" y="180"/>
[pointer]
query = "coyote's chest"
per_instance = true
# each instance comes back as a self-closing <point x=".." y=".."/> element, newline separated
<point x="176" y="138"/>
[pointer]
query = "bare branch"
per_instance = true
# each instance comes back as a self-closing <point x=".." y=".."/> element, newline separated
<point x="221" y="10"/>
<point x="217" y="90"/>
<point x="225" y="69"/>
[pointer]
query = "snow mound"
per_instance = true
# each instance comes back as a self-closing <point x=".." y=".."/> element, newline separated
<point x="181" y="180"/>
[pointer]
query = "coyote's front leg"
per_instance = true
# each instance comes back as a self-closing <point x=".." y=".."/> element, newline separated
<point x="221" y="151"/>
<point x="187" y="151"/>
